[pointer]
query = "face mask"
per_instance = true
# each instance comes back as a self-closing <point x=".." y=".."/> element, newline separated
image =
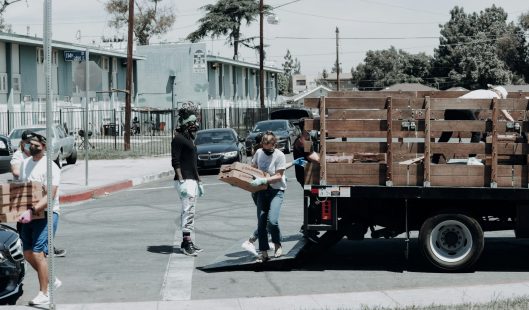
<point x="268" y="152"/>
<point x="26" y="147"/>
<point x="34" y="151"/>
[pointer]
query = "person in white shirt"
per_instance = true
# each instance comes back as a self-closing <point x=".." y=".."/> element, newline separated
<point x="269" y="201"/>
<point x="21" y="153"/>
<point x="34" y="232"/>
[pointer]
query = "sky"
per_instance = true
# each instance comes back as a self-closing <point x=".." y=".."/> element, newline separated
<point x="306" y="27"/>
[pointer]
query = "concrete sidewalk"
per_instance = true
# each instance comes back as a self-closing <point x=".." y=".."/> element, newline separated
<point x="421" y="297"/>
<point x="107" y="176"/>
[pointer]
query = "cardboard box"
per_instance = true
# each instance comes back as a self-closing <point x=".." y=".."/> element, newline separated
<point x="241" y="180"/>
<point x="246" y="168"/>
<point x="16" y="195"/>
<point x="14" y="215"/>
<point x="240" y="175"/>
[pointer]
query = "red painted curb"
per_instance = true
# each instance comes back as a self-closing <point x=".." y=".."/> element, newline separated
<point x="95" y="192"/>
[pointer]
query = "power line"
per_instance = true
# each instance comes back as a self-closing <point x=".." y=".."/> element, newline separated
<point x="359" y="20"/>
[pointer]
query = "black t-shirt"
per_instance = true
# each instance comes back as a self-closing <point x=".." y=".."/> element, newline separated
<point x="298" y="151"/>
<point x="184" y="156"/>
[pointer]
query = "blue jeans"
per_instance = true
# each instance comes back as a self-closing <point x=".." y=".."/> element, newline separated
<point x="269" y="203"/>
<point x="34" y="235"/>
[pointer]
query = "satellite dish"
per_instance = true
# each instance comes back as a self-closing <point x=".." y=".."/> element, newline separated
<point x="273" y="19"/>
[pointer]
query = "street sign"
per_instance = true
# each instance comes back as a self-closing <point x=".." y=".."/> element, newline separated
<point x="74" y="55"/>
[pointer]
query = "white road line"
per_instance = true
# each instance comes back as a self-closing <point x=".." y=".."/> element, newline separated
<point x="166" y="187"/>
<point x="178" y="275"/>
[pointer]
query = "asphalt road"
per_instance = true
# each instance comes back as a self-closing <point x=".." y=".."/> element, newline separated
<point x="121" y="248"/>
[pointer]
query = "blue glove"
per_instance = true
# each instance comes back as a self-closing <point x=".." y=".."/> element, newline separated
<point x="300" y="162"/>
<point x="183" y="190"/>
<point x="258" y="181"/>
<point x="200" y="189"/>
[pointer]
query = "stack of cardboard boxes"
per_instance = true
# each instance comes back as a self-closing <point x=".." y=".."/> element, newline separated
<point x="240" y="175"/>
<point x="17" y="197"/>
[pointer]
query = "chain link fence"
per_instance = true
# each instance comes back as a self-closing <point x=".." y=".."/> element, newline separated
<point x="151" y="130"/>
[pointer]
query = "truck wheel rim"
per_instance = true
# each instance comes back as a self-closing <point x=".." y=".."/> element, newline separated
<point x="451" y="241"/>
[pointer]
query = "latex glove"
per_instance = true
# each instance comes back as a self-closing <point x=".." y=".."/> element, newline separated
<point x="183" y="190"/>
<point x="200" y="189"/>
<point x="258" y="181"/>
<point x="26" y="217"/>
<point x="300" y="162"/>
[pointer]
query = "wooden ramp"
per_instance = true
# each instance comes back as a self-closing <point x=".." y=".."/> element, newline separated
<point x="236" y="257"/>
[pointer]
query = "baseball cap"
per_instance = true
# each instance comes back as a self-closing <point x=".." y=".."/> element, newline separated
<point x="40" y="136"/>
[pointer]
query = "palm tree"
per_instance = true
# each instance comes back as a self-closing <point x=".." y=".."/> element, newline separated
<point x="224" y="18"/>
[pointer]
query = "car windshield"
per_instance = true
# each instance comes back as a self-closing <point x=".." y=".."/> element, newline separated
<point x="273" y="126"/>
<point x="209" y="137"/>
<point x="17" y="133"/>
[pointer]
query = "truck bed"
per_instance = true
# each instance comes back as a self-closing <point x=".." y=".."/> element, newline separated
<point x="359" y="146"/>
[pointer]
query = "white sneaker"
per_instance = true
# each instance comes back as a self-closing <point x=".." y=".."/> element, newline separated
<point x="250" y="247"/>
<point x="41" y="299"/>
<point x="278" y="250"/>
<point x="57" y="283"/>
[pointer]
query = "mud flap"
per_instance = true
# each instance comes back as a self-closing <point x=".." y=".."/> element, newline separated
<point x="236" y="256"/>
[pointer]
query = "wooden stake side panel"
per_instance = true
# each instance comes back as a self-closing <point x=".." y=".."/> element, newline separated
<point x="454" y="175"/>
<point x="366" y="117"/>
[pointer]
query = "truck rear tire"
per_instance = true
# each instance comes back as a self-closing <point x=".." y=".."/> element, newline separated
<point x="451" y="242"/>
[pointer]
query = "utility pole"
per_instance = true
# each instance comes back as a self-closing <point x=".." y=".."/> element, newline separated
<point x="261" y="55"/>
<point x="337" y="60"/>
<point x="129" y="78"/>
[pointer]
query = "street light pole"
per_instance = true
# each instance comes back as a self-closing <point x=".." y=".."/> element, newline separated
<point x="261" y="55"/>
<point x="128" y="87"/>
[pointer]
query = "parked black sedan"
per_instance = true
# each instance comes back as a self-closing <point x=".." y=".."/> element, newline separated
<point x="218" y="146"/>
<point x="5" y="154"/>
<point x="12" y="267"/>
<point x="284" y="130"/>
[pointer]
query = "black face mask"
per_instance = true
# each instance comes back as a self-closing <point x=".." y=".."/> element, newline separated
<point x="34" y="151"/>
<point x="268" y="152"/>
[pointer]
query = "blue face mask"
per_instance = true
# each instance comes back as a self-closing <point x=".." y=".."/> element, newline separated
<point x="26" y="147"/>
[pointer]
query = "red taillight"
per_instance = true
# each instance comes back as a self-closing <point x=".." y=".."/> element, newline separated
<point x="314" y="191"/>
<point x="326" y="214"/>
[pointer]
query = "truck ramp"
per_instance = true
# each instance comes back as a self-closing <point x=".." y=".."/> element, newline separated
<point x="238" y="258"/>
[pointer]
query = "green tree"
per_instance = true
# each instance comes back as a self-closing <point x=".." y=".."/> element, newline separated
<point x="282" y="84"/>
<point x="150" y="18"/>
<point x="289" y="67"/>
<point x="4" y="27"/>
<point x="224" y="18"/>
<point x="387" y="67"/>
<point x="480" y="49"/>
<point x="297" y="66"/>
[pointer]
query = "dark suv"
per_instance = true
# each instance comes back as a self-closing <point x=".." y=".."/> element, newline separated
<point x="12" y="268"/>
<point x="5" y="154"/>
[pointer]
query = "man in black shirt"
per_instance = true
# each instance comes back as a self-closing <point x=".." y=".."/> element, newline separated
<point x="187" y="180"/>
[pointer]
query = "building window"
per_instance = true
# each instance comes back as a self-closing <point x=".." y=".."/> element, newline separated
<point x="114" y="65"/>
<point x="3" y="83"/>
<point x="301" y="82"/>
<point x="15" y="83"/>
<point x="40" y="55"/>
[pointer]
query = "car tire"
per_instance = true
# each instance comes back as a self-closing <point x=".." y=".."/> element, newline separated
<point x="452" y="242"/>
<point x="288" y="147"/>
<point x="72" y="159"/>
<point x="58" y="160"/>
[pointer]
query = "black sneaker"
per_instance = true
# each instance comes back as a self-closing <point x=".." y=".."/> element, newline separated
<point x="197" y="248"/>
<point x="188" y="248"/>
<point x="59" y="252"/>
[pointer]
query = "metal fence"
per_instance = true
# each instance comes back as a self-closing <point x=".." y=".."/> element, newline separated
<point x="151" y="132"/>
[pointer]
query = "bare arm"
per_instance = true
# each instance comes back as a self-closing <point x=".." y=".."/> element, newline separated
<point x="43" y="202"/>
<point x="276" y="177"/>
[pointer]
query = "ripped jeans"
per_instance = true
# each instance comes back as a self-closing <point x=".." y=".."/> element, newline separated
<point x="187" y="215"/>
